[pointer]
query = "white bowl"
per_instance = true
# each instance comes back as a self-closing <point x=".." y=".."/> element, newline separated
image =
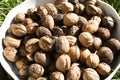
<point x="34" y="3"/>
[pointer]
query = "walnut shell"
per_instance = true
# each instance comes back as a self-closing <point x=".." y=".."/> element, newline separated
<point x="42" y="11"/>
<point x="63" y="63"/>
<point x="62" y="45"/>
<point x="57" y="31"/>
<point x="58" y="18"/>
<point x="20" y="64"/>
<point x="19" y="17"/>
<point x="32" y="45"/>
<point x="96" y="44"/>
<point x="74" y="73"/>
<point x="82" y="20"/>
<point x="92" y="10"/>
<point x="18" y="30"/>
<point x="36" y="70"/>
<point x="74" y="1"/>
<point x="105" y="54"/>
<point x="74" y="30"/>
<point x="103" y="33"/>
<point x="11" y="42"/>
<point x="27" y="21"/>
<point x="90" y="2"/>
<point x="92" y="60"/>
<point x="90" y="74"/>
<point x="46" y="43"/>
<point x="43" y="31"/>
<point x="108" y="22"/>
<point x="48" y="21"/>
<point x="51" y="9"/>
<point x="57" y="76"/>
<point x="42" y="58"/>
<point x="65" y="7"/>
<point x="42" y="78"/>
<point x="84" y="53"/>
<point x="22" y="51"/>
<point x="86" y="39"/>
<point x="113" y="44"/>
<point x="70" y="19"/>
<point x="72" y="40"/>
<point x="10" y="54"/>
<point x="31" y="78"/>
<point x="23" y="72"/>
<point x="103" y="69"/>
<point x="74" y="53"/>
<point x="60" y="1"/>
<point x="91" y="26"/>
<point x="30" y="11"/>
<point x="79" y="8"/>
<point x="31" y="28"/>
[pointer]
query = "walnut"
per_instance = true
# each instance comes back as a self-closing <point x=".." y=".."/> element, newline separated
<point x="103" y="69"/>
<point x="23" y="72"/>
<point x="79" y="8"/>
<point x="20" y="64"/>
<point x="42" y="11"/>
<point x="51" y="9"/>
<point x="108" y="22"/>
<point x="57" y="76"/>
<point x="91" y="2"/>
<point x="62" y="45"/>
<point x="113" y="44"/>
<point x="11" y="42"/>
<point x="58" y="18"/>
<point x="74" y="30"/>
<point x="60" y="1"/>
<point x="72" y="40"/>
<point x="22" y="51"/>
<point x="91" y="26"/>
<point x="27" y="21"/>
<point x="32" y="45"/>
<point x="74" y="53"/>
<point x="105" y="54"/>
<point x="48" y="21"/>
<point x="70" y="19"/>
<point x="36" y="70"/>
<point x="18" y="30"/>
<point x="103" y="33"/>
<point x="42" y="58"/>
<point x="92" y="60"/>
<point x="43" y="31"/>
<point x="90" y="74"/>
<point x="10" y="54"/>
<point x="31" y="28"/>
<point x="92" y="10"/>
<point x="86" y="39"/>
<point x="74" y="1"/>
<point x="96" y="44"/>
<point x="82" y="20"/>
<point x="74" y="73"/>
<point x="63" y="63"/>
<point x="57" y="31"/>
<point x="42" y="78"/>
<point x="30" y="11"/>
<point x="46" y="43"/>
<point x="84" y="53"/>
<point x="65" y="7"/>
<point x="19" y="17"/>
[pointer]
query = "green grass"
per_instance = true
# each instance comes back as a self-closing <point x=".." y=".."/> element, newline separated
<point x="7" y="5"/>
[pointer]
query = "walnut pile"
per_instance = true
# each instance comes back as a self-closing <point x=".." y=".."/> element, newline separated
<point x="68" y="40"/>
